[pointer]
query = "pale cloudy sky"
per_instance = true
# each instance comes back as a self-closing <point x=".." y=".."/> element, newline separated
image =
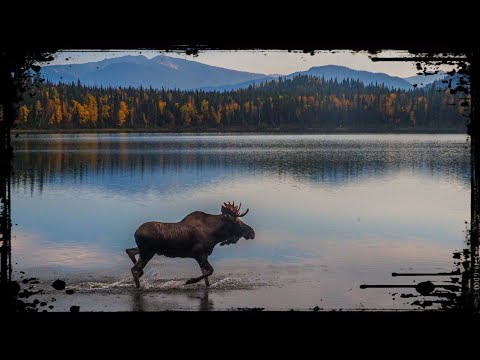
<point x="265" y="62"/>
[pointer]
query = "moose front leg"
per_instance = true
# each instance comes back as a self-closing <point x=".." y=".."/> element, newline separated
<point x="131" y="254"/>
<point x="206" y="268"/>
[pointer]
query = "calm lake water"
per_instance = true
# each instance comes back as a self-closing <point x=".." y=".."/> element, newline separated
<point x="330" y="212"/>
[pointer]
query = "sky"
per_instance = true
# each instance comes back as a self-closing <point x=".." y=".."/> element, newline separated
<point x="265" y="62"/>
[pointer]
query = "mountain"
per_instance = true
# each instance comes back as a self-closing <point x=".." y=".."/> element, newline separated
<point x="456" y="82"/>
<point x="242" y="85"/>
<point x="168" y="72"/>
<point x="158" y="72"/>
<point x="422" y="80"/>
<point x="341" y="72"/>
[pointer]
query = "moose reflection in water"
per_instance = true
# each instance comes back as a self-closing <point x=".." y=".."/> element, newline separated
<point x="193" y="237"/>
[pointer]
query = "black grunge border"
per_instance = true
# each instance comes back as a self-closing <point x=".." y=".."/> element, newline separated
<point x="442" y="45"/>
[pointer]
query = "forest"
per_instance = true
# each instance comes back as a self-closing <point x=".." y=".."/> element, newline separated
<point x="301" y="103"/>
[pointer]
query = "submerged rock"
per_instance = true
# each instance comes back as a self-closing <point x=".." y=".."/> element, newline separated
<point x="58" y="284"/>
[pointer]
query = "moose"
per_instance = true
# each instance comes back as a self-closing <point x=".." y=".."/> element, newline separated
<point x="193" y="237"/>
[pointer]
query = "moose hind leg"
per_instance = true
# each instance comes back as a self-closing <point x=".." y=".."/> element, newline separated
<point x="207" y="270"/>
<point x="207" y="282"/>
<point x="137" y="269"/>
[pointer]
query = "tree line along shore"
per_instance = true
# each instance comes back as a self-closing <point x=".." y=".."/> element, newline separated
<point x="303" y="104"/>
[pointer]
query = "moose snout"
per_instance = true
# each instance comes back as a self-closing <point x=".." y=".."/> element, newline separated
<point x="250" y="235"/>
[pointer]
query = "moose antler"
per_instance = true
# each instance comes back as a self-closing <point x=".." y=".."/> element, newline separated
<point x="231" y="209"/>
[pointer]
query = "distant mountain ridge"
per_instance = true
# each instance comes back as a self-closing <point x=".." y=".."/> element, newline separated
<point x="456" y="82"/>
<point x="342" y="72"/>
<point x="423" y="80"/>
<point x="242" y="85"/>
<point x="159" y="72"/>
<point x="169" y="72"/>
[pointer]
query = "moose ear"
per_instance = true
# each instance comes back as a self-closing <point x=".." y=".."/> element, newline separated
<point x="226" y="212"/>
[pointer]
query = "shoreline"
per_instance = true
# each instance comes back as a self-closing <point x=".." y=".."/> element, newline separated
<point x="237" y="131"/>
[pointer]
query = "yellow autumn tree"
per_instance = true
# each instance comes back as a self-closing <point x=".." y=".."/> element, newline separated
<point x="247" y="106"/>
<point x="66" y="112"/>
<point x="161" y="106"/>
<point x="412" y="118"/>
<point x="336" y="101"/>
<point x="390" y="104"/>
<point x="105" y="116"/>
<point x="51" y="111"/>
<point x="217" y="115"/>
<point x="38" y="109"/>
<point x="58" y="111"/>
<point x="122" y="113"/>
<point x="186" y="117"/>
<point x="80" y="111"/>
<point x="145" y="120"/>
<point x="204" y="106"/>
<point x="92" y="108"/>
<point x="24" y="111"/>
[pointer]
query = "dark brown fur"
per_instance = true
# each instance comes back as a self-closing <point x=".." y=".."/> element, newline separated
<point x="193" y="237"/>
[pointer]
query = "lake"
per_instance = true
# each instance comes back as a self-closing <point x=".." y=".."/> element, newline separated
<point x="330" y="212"/>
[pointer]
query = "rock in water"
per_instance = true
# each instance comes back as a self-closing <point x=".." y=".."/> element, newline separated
<point x="58" y="284"/>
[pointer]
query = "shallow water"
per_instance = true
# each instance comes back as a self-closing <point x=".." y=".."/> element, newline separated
<point x="330" y="212"/>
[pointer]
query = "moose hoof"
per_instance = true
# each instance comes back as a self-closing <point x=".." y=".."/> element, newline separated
<point x="190" y="281"/>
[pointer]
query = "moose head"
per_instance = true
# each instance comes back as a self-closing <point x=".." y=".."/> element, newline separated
<point x="240" y="229"/>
